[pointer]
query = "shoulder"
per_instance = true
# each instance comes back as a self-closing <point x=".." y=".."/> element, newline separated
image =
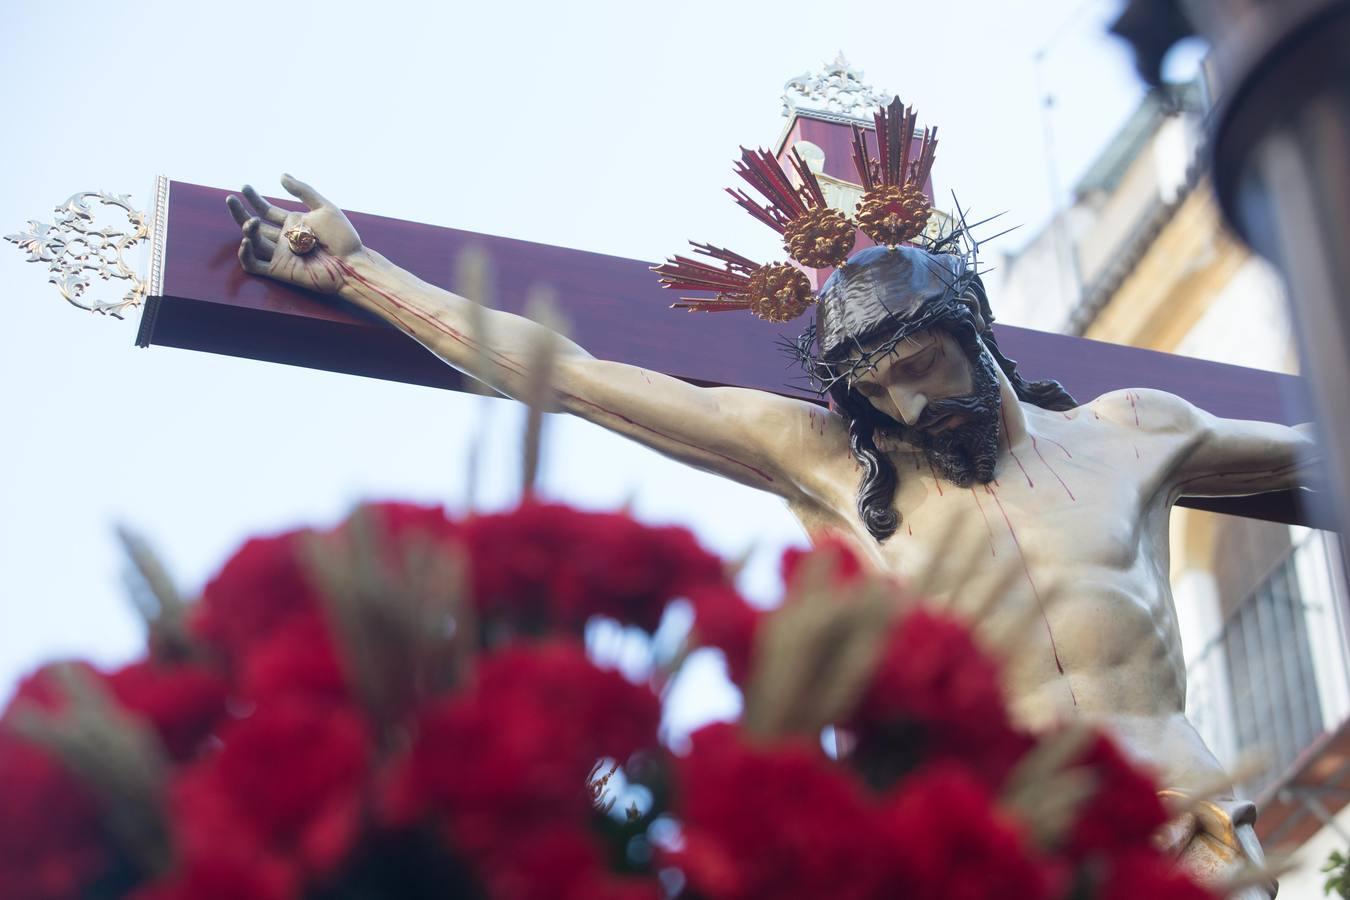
<point x="798" y="434"/>
<point x="764" y="409"/>
<point x="1148" y="409"/>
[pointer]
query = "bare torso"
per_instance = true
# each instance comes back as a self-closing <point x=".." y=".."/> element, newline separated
<point x="1079" y="509"/>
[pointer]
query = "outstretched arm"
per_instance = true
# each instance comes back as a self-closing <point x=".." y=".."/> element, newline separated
<point x="750" y="436"/>
<point x="1233" y="457"/>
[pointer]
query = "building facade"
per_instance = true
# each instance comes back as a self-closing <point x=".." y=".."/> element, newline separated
<point x="1140" y="257"/>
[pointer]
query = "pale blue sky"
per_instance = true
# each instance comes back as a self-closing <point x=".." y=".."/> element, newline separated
<point x="603" y="126"/>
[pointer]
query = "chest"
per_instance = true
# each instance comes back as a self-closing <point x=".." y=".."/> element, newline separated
<point x="1034" y="509"/>
<point x="1076" y="495"/>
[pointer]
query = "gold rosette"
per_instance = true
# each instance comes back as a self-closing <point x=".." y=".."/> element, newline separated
<point x="820" y="238"/>
<point x="779" y="292"/>
<point x="892" y="214"/>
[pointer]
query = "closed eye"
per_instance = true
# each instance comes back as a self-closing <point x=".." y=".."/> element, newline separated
<point x="921" y="364"/>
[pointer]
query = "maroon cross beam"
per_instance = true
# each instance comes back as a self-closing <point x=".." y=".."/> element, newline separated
<point x="617" y="311"/>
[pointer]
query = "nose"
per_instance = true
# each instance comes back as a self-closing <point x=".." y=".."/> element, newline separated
<point x="910" y="406"/>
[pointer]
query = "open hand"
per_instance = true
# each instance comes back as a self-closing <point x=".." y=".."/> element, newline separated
<point x="274" y="243"/>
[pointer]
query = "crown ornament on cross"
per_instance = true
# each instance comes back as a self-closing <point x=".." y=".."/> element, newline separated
<point x="77" y="250"/>
<point x="893" y="210"/>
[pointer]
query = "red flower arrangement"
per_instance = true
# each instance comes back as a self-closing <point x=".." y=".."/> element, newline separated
<point x="405" y="707"/>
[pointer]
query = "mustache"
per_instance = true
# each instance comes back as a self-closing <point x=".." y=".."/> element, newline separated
<point x="971" y="405"/>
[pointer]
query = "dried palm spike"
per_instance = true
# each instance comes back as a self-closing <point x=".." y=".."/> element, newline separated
<point x="892" y="214"/>
<point x="779" y="292"/>
<point x="820" y="238"/>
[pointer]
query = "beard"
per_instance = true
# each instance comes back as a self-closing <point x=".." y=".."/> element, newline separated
<point x="967" y="453"/>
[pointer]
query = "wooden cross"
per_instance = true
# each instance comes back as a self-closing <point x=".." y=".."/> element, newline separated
<point x="202" y="300"/>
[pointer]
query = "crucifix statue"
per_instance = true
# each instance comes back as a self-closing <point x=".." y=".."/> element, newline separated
<point x="929" y="425"/>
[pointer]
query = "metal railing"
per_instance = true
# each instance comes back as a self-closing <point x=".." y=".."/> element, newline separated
<point x="1254" y="686"/>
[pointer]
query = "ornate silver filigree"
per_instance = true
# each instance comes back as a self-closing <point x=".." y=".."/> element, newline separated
<point x="837" y="88"/>
<point x="77" y="250"/>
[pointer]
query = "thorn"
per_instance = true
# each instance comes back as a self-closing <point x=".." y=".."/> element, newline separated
<point x="1000" y="234"/>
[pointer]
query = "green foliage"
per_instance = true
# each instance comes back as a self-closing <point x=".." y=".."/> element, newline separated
<point x="1337" y="869"/>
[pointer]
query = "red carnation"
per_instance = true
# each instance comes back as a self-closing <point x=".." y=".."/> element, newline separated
<point x="723" y="619"/>
<point x="52" y="845"/>
<point x="1145" y="873"/>
<point x="183" y="702"/>
<point x="561" y="864"/>
<point x="544" y="564"/>
<point x="1124" y="810"/>
<point x="42" y="687"/>
<point x="776" y="821"/>
<point x="408" y="521"/>
<point x="288" y="782"/>
<point x="297" y="659"/>
<point x="262" y="586"/>
<point x="936" y="692"/>
<point x="517" y="748"/>
<point x="947" y="840"/>
<point x="392" y="528"/>
<point x="847" y="566"/>
<point x="219" y="876"/>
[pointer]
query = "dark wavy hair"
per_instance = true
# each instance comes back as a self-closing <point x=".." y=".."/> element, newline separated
<point x="967" y="321"/>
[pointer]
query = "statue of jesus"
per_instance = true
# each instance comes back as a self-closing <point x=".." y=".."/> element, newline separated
<point x="929" y="426"/>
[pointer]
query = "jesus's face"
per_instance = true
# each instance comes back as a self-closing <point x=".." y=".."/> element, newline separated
<point x="944" y="397"/>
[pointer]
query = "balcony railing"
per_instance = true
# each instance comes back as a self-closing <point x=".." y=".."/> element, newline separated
<point x="1255" y="688"/>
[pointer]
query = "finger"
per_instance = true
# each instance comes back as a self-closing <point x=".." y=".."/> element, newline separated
<point x="237" y="210"/>
<point x="262" y="247"/>
<point x="297" y="188"/>
<point x="249" y="261"/>
<point x="273" y="214"/>
<point x="243" y="216"/>
<point x="267" y="230"/>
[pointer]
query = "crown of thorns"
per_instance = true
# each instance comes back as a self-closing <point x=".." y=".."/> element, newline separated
<point x="964" y="292"/>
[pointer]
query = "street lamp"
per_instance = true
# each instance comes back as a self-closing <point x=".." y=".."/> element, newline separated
<point x="1280" y="151"/>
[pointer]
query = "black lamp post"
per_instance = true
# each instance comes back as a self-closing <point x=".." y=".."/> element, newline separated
<point x="1280" y="151"/>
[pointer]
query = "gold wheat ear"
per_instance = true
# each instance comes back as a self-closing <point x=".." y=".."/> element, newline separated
<point x="930" y="574"/>
<point x="389" y="605"/>
<point x="473" y="281"/>
<point x="870" y="615"/>
<point x="984" y="602"/>
<point x="814" y="653"/>
<point x="1046" y="789"/>
<point x="970" y="559"/>
<point x="1027" y="628"/>
<point x="156" y="597"/>
<point x="540" y="305"/>
<point x="114" y="754"/>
